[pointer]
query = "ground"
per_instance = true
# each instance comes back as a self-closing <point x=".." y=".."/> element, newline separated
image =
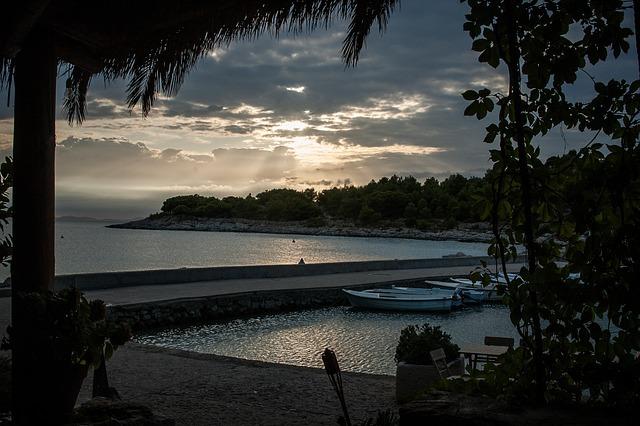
<point x="200" y="389"/>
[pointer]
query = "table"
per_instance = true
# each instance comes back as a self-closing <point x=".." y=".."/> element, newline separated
<point x="482" y="353"/>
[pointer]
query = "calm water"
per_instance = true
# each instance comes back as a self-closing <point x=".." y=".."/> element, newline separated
<point x="364" y="341"/>
<point x="91" y="247"/>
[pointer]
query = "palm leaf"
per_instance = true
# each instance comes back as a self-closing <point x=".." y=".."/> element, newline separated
<point x="158" y="62"/>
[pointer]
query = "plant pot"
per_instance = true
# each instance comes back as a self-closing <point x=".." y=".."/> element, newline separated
<point x="66" y="389"/>
<point x="413" y="379"/>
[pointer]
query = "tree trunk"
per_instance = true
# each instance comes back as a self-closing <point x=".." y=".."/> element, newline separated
<point x="516" y="99"/>
<point x="636" y="16"/>
<point x="32" y="267"/>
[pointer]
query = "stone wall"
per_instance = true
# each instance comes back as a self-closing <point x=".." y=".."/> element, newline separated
<point x="104" y="280"/>
<point x="143" y="316"/>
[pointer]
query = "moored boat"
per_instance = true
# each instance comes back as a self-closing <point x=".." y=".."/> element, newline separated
<point x="490" y="292"/>
<point x="460" y="295"/>
<point x="389" y="300"/>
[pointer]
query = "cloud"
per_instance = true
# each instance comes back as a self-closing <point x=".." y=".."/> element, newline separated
<point x="286" y="111"/>
<point x="112" y="164"/>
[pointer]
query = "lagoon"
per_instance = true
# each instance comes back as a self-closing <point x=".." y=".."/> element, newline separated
<point x="364" y="341"/>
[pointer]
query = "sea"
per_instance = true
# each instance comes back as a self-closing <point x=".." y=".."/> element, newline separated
<point x="365" y="341"/>
<point x="90" y="246"/>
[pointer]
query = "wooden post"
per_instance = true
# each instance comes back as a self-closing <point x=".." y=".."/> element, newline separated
<point x="32" y="267"/>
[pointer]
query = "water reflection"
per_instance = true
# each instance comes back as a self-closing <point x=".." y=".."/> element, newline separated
<point x="90" y="247"/>
<point x="364" y="341"/>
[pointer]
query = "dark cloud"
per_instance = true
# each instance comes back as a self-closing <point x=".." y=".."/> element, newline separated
<point x="237" y="129"/>
<point x="286" y="111"/>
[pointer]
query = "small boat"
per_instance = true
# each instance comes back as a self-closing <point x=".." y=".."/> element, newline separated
<point x="490" y="292"/>
<point x="390" y="300"/>
<point x="460" y="295"/>
<point x="501" y="277"/>
<point x="468" y="295"/>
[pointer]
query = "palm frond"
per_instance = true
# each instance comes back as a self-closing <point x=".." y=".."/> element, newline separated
<point x="75" y="99"/>
<point x="6" y="76"/>
<point x="158" y="62"/>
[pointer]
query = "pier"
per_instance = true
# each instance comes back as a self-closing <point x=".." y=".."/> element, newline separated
<point x="165" y="297"/>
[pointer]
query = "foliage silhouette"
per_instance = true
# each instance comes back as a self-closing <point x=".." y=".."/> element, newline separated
<point x="578" y="319"/>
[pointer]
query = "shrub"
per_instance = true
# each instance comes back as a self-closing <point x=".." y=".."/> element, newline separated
<point x="181" y="210"/>
<point x="450" y="223"/>
<point x="425" y="225"/>
<point x="157" y="215"/>
<point x="316" y="222"/>
<point x="416" y="342"/>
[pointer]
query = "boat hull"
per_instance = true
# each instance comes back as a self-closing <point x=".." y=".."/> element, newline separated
<point x="414" y="304"/>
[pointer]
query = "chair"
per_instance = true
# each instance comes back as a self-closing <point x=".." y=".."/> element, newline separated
<point x="439" y="359"/>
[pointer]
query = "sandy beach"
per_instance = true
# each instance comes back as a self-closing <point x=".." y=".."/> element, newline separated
<point x="201" y="389"/>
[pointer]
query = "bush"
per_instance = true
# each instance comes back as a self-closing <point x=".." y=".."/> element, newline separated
<point x="450" y="223"/>
<point x="416" y="342"/>
<point x="181" y="210"/>
<point x="316" y="222"/>
<point x="425" y="225"/>
<point x="157" y="215"/>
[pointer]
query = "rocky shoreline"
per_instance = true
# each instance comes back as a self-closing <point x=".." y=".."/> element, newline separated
<point x="478" y="232"/>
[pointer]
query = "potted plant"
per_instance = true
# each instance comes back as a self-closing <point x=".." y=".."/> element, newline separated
<point x="415" y="370"/>
<point x="73" y="335"/>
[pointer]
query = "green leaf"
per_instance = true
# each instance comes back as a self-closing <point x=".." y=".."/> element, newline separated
<point x="470" y="95"/>
<point x="471" y="109"/>
<point x="488" y="104"/>
<point x="480" y="45"/>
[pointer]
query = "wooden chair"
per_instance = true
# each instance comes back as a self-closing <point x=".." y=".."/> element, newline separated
<point x="439" y="359"/>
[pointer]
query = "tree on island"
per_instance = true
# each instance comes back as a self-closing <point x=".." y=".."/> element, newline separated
<point x="387" y="201"/>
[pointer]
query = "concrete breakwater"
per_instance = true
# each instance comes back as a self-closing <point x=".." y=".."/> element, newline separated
<point x="142" y="316"/>
<point x="477" y="232"/>
<point x="203" y="294"/>
<point x="104" y="280"/>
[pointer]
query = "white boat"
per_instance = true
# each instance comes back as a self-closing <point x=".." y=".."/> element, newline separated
<point x="501" y="277"/>
<point x="460" y="295"/>
<point x="490" y="292"/>
<point x="389" y="300"/>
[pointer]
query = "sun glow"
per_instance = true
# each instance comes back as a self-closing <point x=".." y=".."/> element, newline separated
<point x="297" y="89"/>
<point x="291" y="126"/>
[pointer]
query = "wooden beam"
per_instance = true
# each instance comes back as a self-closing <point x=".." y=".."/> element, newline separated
<point x="20" y="19"/>
<point x="80" y="55"/>
<point x="32" y="267"/>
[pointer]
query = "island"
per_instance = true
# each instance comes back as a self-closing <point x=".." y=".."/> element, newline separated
<point x="394" y="207"/>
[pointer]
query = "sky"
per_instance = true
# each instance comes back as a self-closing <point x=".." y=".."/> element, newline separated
<point x="286" y="112"/>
